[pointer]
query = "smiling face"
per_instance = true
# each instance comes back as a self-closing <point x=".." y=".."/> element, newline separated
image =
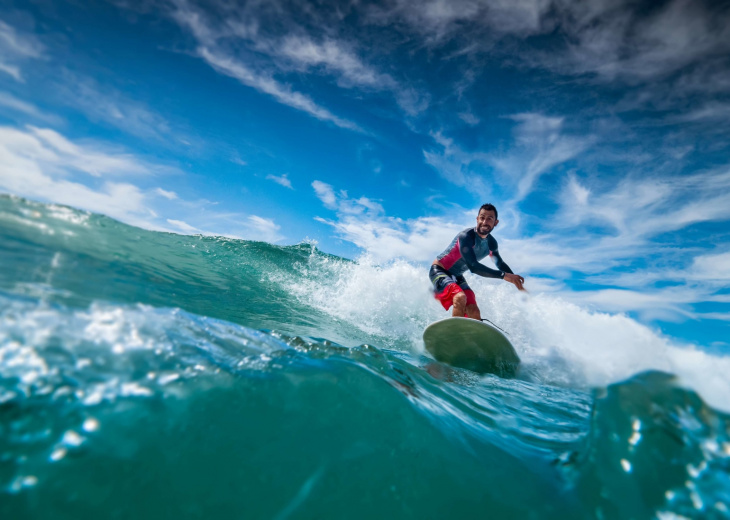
<point x="486" y="221"/>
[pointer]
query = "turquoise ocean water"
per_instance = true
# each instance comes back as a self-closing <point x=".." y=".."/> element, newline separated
<point x="152" y="375"/>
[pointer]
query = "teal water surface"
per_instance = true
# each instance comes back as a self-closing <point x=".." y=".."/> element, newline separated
<point x="152" y="375"/>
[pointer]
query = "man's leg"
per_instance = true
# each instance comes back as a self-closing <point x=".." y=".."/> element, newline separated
<point x="459" y="308"/>
<point x="472" y="311"/>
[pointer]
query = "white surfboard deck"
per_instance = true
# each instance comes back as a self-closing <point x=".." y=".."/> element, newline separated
<point x="471" y="344"/>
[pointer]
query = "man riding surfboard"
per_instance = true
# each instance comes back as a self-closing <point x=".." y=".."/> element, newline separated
<point x="464" y="253"/>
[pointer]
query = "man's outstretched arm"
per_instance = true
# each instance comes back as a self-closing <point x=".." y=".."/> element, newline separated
<point x="501" y="264"/>
<point x="512" y="278"/>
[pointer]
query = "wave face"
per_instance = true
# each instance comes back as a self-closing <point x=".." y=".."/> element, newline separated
<point x="147" y="374"/>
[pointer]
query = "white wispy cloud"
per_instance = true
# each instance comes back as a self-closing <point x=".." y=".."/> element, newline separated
<point x="169" y="195"/>
<point x="627" y="44"/>
<point x="264" y="229"/>
<point x="57" y="149"/>
<point x="640" y="208"/>
<point x="11" y="70"/>
<point x="711" y="112"/>
<point x="11" y="102"/>
<point x="712" y="268"/>
<point x="460" y="167"/>
<point x="304" y="52"/>
<point x="672" y="304"/>
<point x="387" y="238"/>
<point x="339" y="59"/>
<point x="325" y="193"/>
<point x="540" y="144"/>
<point x="669" y="51"/>
<point x="282" y="180"/>
<point x="230" y="66"/>
<point x="16" y="46"/>
<point x="105" y="104"/>
<point x="261" y="42"/>
<point x="612" y="39"/>
<point x="363" y="222"/>
<point x="229" y="63"/>
<point x="183" y="226"/>
<point x="438" y="21"/>
<point x="19" y="43"/>
<point x="341" y="202"/>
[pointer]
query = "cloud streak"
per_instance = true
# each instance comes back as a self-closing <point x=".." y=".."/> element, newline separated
<point x="226" y="62"/>
<point x="281" y="181"/>
<point x="105" y="104"/>
<point x="363" y="222"/>
<point x="266" y="84"/>
<point x="541" y="144"/>
<point x="16" y="46"/>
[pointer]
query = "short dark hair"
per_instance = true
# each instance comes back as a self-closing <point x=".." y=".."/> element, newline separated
<point x="489" y="207"/>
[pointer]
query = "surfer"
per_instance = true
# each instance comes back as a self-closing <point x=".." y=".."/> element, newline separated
<point x="464" y="253"/>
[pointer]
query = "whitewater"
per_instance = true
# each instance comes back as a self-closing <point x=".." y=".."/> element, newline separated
<point x="147" y="374"/>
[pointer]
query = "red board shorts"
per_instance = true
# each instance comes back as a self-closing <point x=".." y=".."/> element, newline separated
<point x="446" y="286"/>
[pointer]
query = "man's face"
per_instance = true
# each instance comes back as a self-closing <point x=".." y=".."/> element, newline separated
<point x="486" y="222"/>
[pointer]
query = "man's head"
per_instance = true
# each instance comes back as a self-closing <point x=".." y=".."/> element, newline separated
<point x="486" y="219"/>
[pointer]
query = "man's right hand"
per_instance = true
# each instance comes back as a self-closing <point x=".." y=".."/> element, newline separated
<point x="515" y="279"/>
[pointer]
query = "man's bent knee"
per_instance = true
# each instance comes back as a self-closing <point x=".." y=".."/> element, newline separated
<point x="459" y="299"/>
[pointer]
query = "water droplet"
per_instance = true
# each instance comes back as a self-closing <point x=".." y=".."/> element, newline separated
<point x="71" y="438"/>
<point x="626" y="465"/>
<point x="22" y="482"/>
<point x="58" y="454"/>
<point x="635" y="438"/>
<point x="82" y="363"/>
<point x="90" y="425"/>
<point x="696" y="500"/>
<point x="135" y="389"/>
<point x="168" y="378"/>
<point x="694" y="472"/>
<point x="94" y="398"/>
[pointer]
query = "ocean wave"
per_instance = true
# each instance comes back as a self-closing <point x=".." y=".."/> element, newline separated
<point x="99" y="406"/>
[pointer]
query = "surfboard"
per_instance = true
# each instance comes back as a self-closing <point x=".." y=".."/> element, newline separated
<point x="471" y="344"/>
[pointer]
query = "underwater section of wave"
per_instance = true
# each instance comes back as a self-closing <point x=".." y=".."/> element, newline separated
<point x="130" y="411"/>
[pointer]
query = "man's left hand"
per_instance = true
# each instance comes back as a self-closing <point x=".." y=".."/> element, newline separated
<point x="515" y="279"/>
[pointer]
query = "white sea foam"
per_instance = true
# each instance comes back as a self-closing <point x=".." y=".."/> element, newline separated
<point x="559" y="342"/>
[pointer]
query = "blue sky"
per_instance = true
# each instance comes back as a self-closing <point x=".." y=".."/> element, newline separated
<point x="599" y="129"/>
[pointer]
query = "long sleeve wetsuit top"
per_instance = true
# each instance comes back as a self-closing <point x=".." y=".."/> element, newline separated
<point x="467" y="249"/>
